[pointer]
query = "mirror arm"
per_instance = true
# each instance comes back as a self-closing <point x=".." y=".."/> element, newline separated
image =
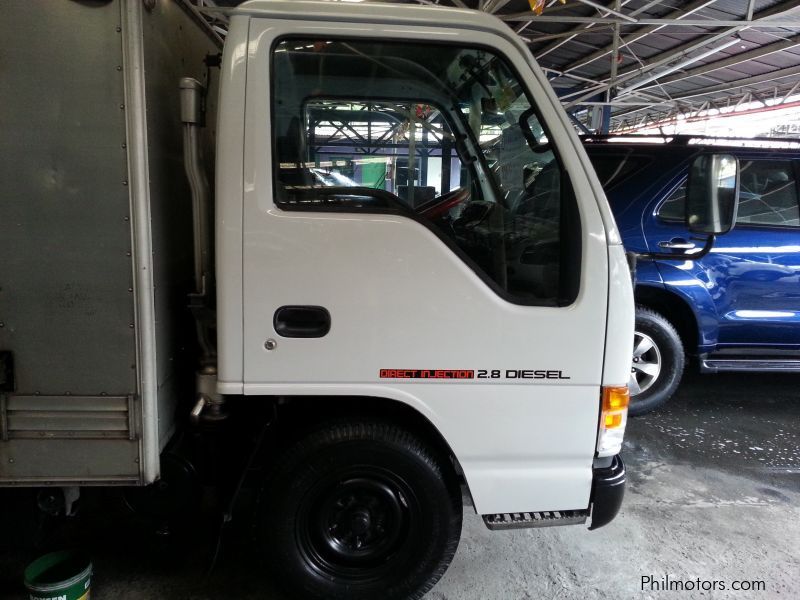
<point x="709" y="244"/>
<point x="705" y="249"/>
<point x="525" y="127"/>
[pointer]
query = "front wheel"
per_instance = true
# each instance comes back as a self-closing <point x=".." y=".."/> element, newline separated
<point x="360" y="510"/>
<point x="657" y="363"/>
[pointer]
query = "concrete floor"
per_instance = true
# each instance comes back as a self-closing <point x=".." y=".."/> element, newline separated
<point x="713" y="493"/>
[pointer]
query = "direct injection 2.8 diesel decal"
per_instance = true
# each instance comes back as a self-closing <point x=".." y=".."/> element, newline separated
<point x="472" y="374"/>
<point x="427" y="374"/>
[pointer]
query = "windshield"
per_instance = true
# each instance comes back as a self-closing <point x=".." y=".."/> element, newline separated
<point x="511" y="137"/>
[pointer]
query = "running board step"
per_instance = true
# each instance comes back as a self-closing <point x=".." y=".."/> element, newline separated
<point x="535" y="519"/>
<point x="754" y="365"/>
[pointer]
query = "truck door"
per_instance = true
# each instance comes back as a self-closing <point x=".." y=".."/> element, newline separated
<point x="754" y="269"/>
<point x="417" y="226"/>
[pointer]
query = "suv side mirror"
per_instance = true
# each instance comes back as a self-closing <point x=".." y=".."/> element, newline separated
<point x="712" y="194"/>
<point x="712" y="201"/>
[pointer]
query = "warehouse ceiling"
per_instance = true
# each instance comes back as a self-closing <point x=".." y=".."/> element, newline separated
<point x="625" y="64"/>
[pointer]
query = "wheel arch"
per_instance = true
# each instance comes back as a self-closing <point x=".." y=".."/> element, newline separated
<point x="302" y="413"/>
<point x="676" y="309"/>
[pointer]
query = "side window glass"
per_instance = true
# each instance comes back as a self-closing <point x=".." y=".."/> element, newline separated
<point x="768" y="193"/>
<point x="613" y="169"/>
<point x="354" y="144"/>
<point x="674" y="208"/>
<point x="442" y="134"/>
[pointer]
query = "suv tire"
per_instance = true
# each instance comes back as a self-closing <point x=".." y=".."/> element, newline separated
<point x="657" y="362"/>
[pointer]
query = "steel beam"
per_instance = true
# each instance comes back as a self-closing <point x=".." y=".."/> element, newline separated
<point x="783" y="23"/>
<point x="611" y="11"/>
<point x="496" y="6"/>
<point x="558" y="74"/>
<point x="791" y="91"/>
<point x="678" y="52"/>
<point x="612" y="80"/>
<point x="733" y="60"/>
<point x="574" y="32"/>
<point x="696" y="43"/>
<point x="673" y="68"/>
<point x="652" y="64"/>
<point x="729" y="85"/>
<point x="538" y="36"/>
<point x="689" y="9"/>
<point x="643" y="103"/>
<point x="685" y="106"/>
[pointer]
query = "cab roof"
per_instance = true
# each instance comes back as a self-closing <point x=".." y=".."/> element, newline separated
<point x="375" y="12"/>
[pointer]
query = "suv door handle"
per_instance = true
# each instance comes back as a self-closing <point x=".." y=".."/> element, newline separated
<point x="676" y="244"/>
<point x="302" y="321"/>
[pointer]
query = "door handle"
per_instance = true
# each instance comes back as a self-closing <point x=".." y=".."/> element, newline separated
<point x="302" y="321"/>
<point x="676" y="244"/>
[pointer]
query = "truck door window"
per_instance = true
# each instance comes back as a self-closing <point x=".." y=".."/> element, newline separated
<point x="767" y="195"/>
<point x="443" y="134"/>
<point x="359" y="144"/>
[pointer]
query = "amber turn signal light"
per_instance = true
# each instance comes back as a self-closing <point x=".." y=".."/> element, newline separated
<point x="615" y="405"/>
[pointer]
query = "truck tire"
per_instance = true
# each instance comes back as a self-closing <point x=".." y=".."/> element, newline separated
<point x="657" y="362"/>
<point x="360" y="510"/>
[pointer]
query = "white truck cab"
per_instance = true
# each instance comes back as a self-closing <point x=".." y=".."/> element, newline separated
<point x="498" y="308"/>
<point x="415" y="288"/>
<point x="464" y="269"/>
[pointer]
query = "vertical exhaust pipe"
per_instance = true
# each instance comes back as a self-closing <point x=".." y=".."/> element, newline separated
<point x="193" y="118"/>
<point x="209" y="403"/>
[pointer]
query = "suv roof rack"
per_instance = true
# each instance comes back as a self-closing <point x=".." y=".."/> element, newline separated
<point x="692" y="140"/>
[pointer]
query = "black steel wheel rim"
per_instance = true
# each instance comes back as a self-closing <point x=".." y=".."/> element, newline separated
<point x="358" y="524"/>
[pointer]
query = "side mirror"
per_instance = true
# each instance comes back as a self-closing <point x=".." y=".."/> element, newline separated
<point x="712" y="200"/>
<point x="712" y="194"/>
<point x="537" y="140"/>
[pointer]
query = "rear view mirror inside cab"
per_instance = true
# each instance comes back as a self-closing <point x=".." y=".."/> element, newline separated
<point x="712" y="194"/>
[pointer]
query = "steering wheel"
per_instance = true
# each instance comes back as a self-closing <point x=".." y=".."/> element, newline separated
<point x="439" y="206"/>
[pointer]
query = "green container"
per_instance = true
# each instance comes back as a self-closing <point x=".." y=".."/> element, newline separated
<point x="65" y="575"/>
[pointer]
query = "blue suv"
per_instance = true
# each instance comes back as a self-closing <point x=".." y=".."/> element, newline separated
<point x="738" y="307"/>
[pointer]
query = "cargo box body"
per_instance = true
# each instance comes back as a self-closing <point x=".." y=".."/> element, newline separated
<point x="95" y="238"/>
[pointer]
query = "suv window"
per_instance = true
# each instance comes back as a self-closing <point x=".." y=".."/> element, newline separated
<point x="767" y="195"/>
<point x="674" y="207"/>
<point x="612" y="169"/>
<point x="442" y="134"/>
